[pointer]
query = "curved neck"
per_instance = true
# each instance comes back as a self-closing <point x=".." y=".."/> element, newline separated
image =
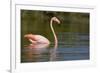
<point x="55" y="37"/>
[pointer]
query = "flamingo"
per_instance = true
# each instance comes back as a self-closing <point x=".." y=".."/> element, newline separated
<point x="39" y="41"/>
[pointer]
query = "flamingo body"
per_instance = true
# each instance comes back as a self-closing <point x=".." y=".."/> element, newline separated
<point x="37" y="41"/>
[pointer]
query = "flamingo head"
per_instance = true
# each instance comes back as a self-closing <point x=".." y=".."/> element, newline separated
<point x="55" y="19"/>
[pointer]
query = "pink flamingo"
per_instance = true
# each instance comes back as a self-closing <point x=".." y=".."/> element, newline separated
<point x="38" y="41"/>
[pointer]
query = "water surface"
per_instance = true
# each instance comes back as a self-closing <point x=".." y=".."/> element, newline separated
<point x="71" y="46"/>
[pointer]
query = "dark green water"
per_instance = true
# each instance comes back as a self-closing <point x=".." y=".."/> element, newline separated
<point x="72" y="33"/>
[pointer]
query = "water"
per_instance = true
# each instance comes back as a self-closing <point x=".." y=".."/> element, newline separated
<point x="71" y="46"/>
